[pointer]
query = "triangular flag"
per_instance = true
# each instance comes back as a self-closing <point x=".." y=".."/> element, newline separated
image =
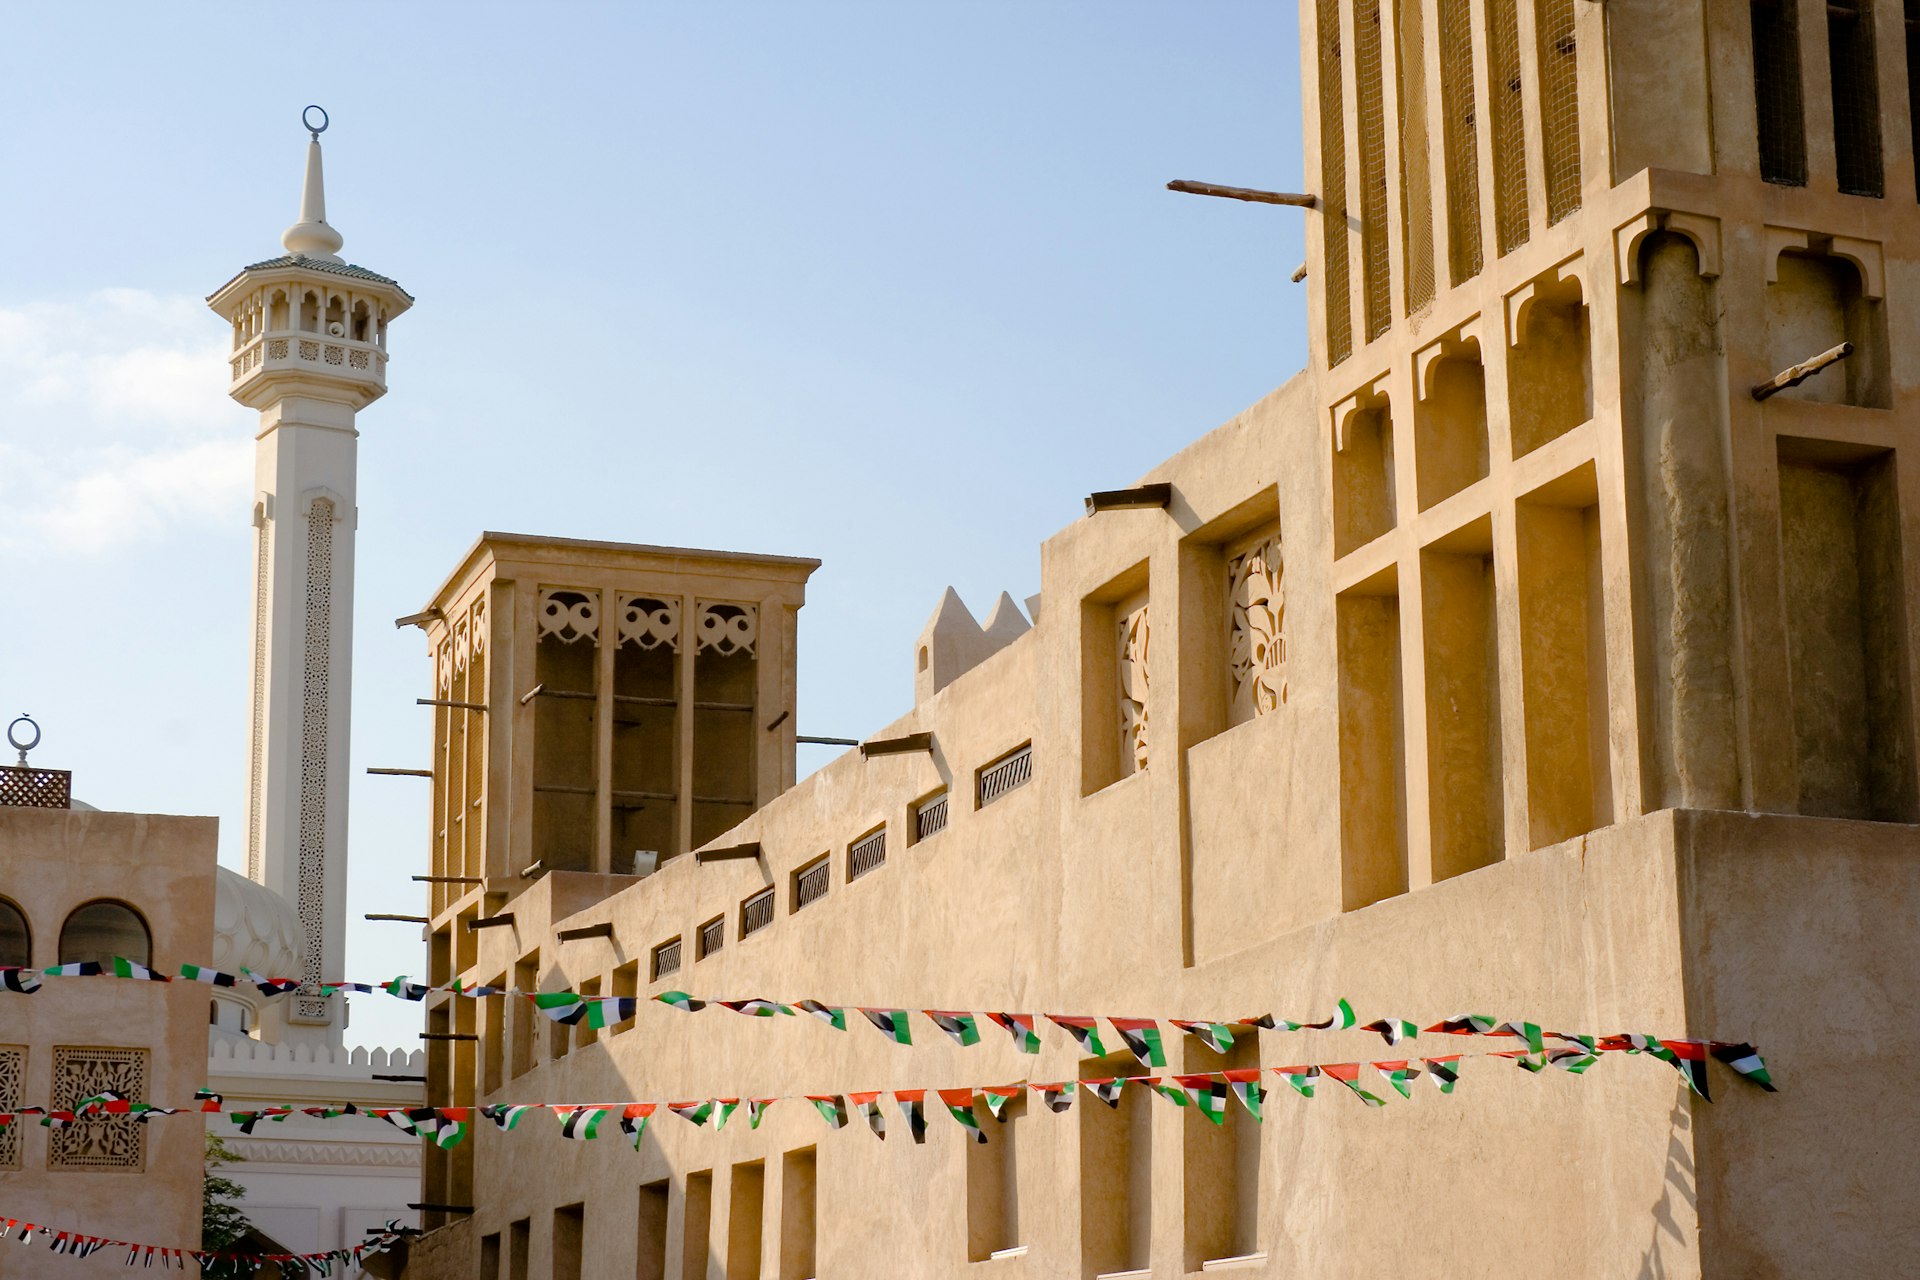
<point x="581" y="1122"/>
<point x="696" y="1112"/>
<point x="1340" y="1019"/>
<point x="1142" y="1038"/>
<point x="1745" y="1059"/>
<point x="723" y="1109"/>
<point x="1021" y="1027"/>
<point x="1209" y="1093"/>
<point x="891" y="1023"/>
<point x="869" y="1105"/>
<point x="1217" y="1036"/>
<point x="1393" y="1030"/>
<point x="1301" y="1078"/>
<point x="1245" y="1083"/>
<point x="1348" y="1074"/>
<point x="1085" y="1032"/>
<point x="961" y="1026"/>
<point x="913" y="1107"/>
<point x="681" y="1000"/>
<point x="1528" y="1031"/>
<point x="212" y="977"/>
<point x="756" y="1108"/>
<point x="19" y="981"/>
<point x="757" y="1008"/>
<point x="832" y="1109"/>
<point x="996" y="1097"/>
<point x="1057" y="1097"/>
<point x="1105" y="1088"/>
<point x="564" y="1007"/>
<point x="833" y="1015"/>
<point x="1172" y="1093"/>
<point x="1465" y="1024"/>
<point x="1400" y="1075"/>
<point x="633" y="1121"/>
<point x="506" y="1117"/>
<point x="959" y="1104"/>
<point x="1444" y="1072"/>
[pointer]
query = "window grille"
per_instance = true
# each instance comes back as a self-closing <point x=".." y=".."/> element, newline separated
<point x="1559" y="104"/>
<point x="1776" y="92"/>
<point x="866" y="853"/>
<point x="1337" y="291"/>
<point x="811" y="882"/>
<point x="1012" y="770"/>
<point x="1462" y="145"/>
<point x="666" y="959"/>
<point x="756" y="913"/>
<point x="1416" y="188"/>
<point x="713" y="936"/>
<point x="29" y="788"/>
<point x="1856" y="98"/>
<point x="1509" y="126"/>
<point x="1370" y="108"/>
<point x="930" y="817"/>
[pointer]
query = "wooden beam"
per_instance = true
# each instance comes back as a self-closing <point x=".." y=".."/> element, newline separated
<point x="448" y="702"/>
<point x="448" y="1035"/>
<point x="586" y="931"/>
<point x="442" y="1208"/>
<point x="401" y="773"/>
<point x="826" y="742"/>
<point x="1799" y="373"/>
<point x="490" y="922"/>
<point x="407" y="919"/>
<point x="448" y="880"/>
<point x="732" y="853"/>
<point x="1251" y="194"/>
<point x="1146" y="495"/>
<point x="905" y="745"/>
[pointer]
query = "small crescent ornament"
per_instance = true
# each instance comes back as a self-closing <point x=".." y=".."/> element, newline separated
<point x="306" y="118"/>
<point x="14" y="735"/>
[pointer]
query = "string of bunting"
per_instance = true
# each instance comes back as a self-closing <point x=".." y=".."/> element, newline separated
<point x="1208" y="1092"/>
<point x="80" y="1244"/>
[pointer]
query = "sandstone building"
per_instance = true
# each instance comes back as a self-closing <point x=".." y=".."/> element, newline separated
<point x="1528" y="651"/>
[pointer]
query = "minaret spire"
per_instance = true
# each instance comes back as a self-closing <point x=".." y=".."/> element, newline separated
<point x="311" y="237"/>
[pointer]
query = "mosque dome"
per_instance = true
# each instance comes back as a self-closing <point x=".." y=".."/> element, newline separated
<point x="254" y="927"/>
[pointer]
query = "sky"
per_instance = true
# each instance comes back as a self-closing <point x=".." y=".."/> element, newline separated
<point x="890" y="285"/>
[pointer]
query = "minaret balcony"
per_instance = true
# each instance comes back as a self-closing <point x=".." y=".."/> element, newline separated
<point x="309" y="355"/>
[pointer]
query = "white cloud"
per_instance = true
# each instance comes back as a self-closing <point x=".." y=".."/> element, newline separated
<point x="114" y="421"/>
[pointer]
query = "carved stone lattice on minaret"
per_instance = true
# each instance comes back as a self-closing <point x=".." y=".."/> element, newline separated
<point x="309" y="352"/>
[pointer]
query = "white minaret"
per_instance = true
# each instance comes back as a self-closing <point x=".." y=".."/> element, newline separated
<point x="309" y="352"/>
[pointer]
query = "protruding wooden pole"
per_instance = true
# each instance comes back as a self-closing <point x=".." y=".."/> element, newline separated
<point x="1799" y="373"/>
<point x="1251" y="194"/>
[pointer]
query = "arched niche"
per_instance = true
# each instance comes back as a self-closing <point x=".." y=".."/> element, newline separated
<point x="16" y="936"/>
<point x="100" y="930"/>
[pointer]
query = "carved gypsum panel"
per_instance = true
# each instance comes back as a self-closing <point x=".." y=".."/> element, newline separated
<point x="13" y="1076"/>
<point x="569" y="615"/>
<point x="727" y="628"/>
<point x="315" y="700"/>
<point x="1133" y="687"/>
<point x="1256" y="621"/>
<point x="110" y="1142"/>
<point x="650" y="623"/>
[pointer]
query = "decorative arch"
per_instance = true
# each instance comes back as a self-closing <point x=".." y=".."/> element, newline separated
<point x="105" y="928"/>
<point x="16" y="935"/>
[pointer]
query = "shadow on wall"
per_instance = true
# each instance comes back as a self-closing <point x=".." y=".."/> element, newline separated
<point x="1678" y="1182"/>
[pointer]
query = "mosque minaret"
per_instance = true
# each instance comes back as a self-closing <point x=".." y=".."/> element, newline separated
<point x="309" y="352"/>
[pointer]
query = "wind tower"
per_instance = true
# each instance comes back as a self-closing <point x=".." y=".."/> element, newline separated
<point x="309" y="352"/>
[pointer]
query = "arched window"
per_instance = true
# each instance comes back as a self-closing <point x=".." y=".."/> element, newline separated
<point x="16" y="939"/>
<point x="99" y="931"/>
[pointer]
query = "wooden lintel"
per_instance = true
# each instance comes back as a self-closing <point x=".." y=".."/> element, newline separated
<point x="490" y="922"/>
<point x="1146" y="495"/>
<point x="604" y="930"/>
<point x="905" y="745"/>
<point x="732" y="853"/>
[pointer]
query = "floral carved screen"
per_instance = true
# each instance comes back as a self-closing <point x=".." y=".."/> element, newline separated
<point x="1256" y="622"/>
<point x="13" y="1075"/>
<point x="110" y="1142"/>
<point x="1132" y="650"/>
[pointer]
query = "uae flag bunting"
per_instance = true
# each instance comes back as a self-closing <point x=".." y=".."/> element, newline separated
<point x="891" y="1023"/>
<point x="270" y="986"/>
<point x="1245" y="1083"/>
<point x="1209" y="1093"/>
<point x="756" y="1108"/>
<point x="1217" y="1036"/>
<point x="757" y="1008"/>
<point x="913" y="1106"/>
<point x="681" y="1000"/>
<point x="996" y="1096"/>
<point x="1056" y="1097"/>
<point x="447" y="1126"/>
<point x="959" y="1104"/>
<point x="208" y="1099"/>
<point x="695" y="1113"/>
<point x="963" y="1027"/>
<point x="1085" y="1033"/>
<point x="1264" y="1021"/>
<point x="1348" y="1074"/>
<point x="280" y="986"/>
<point x="1172" y="1093"/>
<point x="1528" y="1031"/>
<point x="723" y="1109"/>
<point x="19" y="981"/>
<point x="1575" y="1061"/>
<point x="406" y="988"/>
<point x="506" y="1117"/>
<point x="581" y="1122"/>
<point x="1589" y="1043"/>
<point x="1300" y="1078"/>
<point x="125" y="968"/>
<point x="832" y="1109"/>
<point x="868" y="1104"/>
<point x="1689" y="1058"/>
<point x="833" y="1015"/>
<point x="564" y="1007"/>
<point x="78" y="969"/>
<point x="633" y="1121"/>
<point x="1393" y="1030"/>
<point x="1465" y="1024"/>
<point x="1444" y="1072"/>
<point x="1524" y="1059"/>
<point x="1745" y="1059"/>
<point x="1340" y="1019"/>
<point x="606" y="1011"/>
<point x="1400" y="1075"/>
<point x="1142" y="1038"/>
<point x="212" y="977"/>
<point x="1022" y="1027"/>
<point x="1106" y="1088"/>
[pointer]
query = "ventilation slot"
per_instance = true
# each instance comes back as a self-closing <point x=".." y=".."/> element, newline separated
<point x="1463" y="148"/>
<point x="1005" y="774"/>
<point x="811" y="882"/>
<point x="930" y="817"/>
<point x="1856" y="99"/>
<point x="713" y="936"/>
<point x="666" y="959"/>
<point x="866" y="853"/>
<point x="1776" y="92"/>
<point x="1509" y="127"/>
<point x="1559" y="105"/>
<point x="1373" y="168"/>
<point x="1333" y="189"/>
<point x="1416" y="188"/>
<point x="756" y="913"/>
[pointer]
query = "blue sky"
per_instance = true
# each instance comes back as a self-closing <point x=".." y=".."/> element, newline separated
<point x="892" y="285"/>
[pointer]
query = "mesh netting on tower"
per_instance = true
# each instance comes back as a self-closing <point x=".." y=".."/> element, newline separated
<point x="1776" y="92"/>
<point x="1856" y="98"/>
<point x="1559" y="105"/>
<point x="1416" y="187"/>
<point x="1509" y="126"/>
<point x="1462" y="148"/>
<point x="1333" y="189"/>
<point x="1371" y="113"/>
